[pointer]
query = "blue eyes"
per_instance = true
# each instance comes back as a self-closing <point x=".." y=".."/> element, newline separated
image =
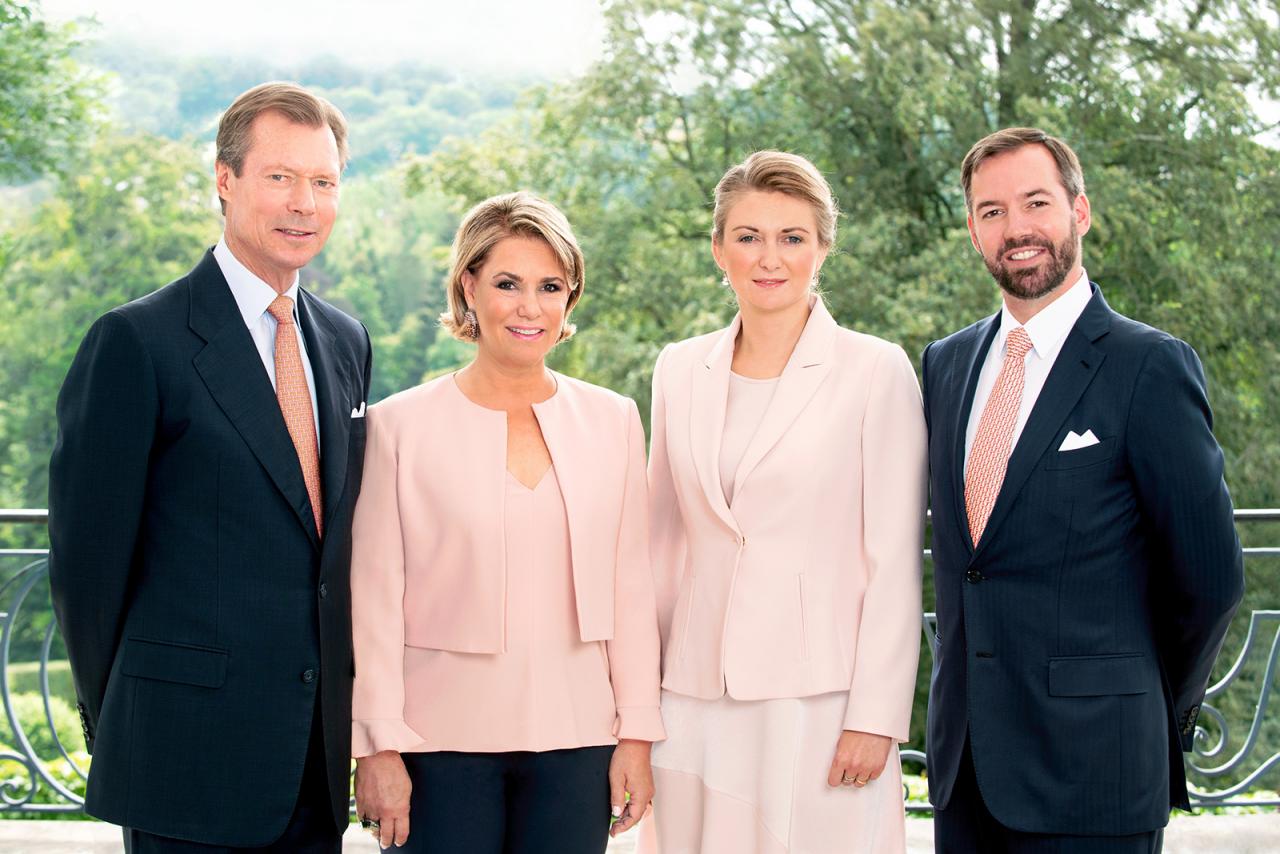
<point x="789" y="239"/>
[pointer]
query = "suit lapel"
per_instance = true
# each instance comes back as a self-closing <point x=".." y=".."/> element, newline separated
<point x="332" y="378"/>
<point x="969" y="366"/>
<point x="232" y="371"/>
<point x="808" y="366"/>
<point x="710" y="392"/>
<point x="1077" y="363"/>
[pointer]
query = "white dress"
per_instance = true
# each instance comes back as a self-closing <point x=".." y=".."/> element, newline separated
<point x="750" y="777"/>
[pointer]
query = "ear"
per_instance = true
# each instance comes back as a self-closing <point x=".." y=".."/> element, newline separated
<point x="1083" y="213"/>
<point x="973" y="234"/>
<point x="469" y="288"/>
<point x="222" y="178"/>
<point x="717" y="252"/>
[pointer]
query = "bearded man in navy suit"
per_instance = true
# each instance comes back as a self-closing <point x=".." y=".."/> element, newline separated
<point x="1086" y="561"/>
<point x="209" y="454"/>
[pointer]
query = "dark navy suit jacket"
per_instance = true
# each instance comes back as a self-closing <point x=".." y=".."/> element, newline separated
<point x="1076" y="641"/>
<point x="202" y="614"/>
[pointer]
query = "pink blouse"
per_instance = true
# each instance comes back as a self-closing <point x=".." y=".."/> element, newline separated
<point x="549" y="690"/>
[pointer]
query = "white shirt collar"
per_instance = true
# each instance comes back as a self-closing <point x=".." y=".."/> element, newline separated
<point x="252" y="294"/>
<point x="1049" y="328"/>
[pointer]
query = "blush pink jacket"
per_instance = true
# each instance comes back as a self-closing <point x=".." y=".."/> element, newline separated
<point x="810" y="583"/>
<point x="428" y="548"/>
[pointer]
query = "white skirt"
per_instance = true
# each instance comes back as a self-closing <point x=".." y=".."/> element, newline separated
<point x="750" y="777"/>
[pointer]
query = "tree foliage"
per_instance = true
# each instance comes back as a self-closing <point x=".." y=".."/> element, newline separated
<point x="886" y="97"/>
<point x="46" y="99"/>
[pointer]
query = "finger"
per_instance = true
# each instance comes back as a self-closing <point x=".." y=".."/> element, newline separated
<point x="835" y="775"/>
<point x="617" y="793"/>
<point x="402" y="830"/>
<point x="629" y="818"/>
<point x="386" y="832"/>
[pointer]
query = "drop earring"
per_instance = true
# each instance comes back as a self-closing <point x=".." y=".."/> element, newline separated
<point x="472" y="326"/>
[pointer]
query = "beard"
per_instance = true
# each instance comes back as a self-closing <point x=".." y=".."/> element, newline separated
<point x="1035" y="282"/>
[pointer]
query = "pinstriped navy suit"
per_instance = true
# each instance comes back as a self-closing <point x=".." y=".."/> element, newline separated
<point x="1076" y="641"/>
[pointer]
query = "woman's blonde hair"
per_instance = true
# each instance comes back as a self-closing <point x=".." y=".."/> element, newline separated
<point x="778" y="172"/>
<point x="519" y="214"/>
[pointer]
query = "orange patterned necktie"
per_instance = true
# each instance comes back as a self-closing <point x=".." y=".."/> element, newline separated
<point x="989" y="456"/>
<point x="295" y="401"/>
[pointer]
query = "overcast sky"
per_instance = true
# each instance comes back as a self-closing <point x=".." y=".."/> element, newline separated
<point x="552" y="38"/>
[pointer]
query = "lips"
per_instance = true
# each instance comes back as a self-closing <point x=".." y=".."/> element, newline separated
<point x="1025" y="252"/>
<point x="295" y="233"/>
<point x="769" y="283"/>
<point x="525" y="333"/>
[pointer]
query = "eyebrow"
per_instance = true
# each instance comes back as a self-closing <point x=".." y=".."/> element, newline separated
<point x="786" y="230"/>
<point x="1027" y="195"/>
<point x="505" y="274"/>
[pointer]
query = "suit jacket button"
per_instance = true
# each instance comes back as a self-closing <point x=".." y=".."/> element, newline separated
<point x="324" y="590"/>
<point x="973" y="576"/>
<point x="308" y="675"/>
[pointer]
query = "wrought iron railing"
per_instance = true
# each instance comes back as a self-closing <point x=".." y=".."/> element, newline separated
<point x="43" y="766"/>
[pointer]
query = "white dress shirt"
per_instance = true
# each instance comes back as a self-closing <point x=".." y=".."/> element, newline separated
<point x="1047" y="330"/>
<point x="252" y="297"/>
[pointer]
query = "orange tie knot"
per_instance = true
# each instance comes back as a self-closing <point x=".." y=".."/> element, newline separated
<point x="281" y="309"/>
<point x="1018" y="345"/>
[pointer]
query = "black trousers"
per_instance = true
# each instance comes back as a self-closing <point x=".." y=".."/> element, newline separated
<point x="966" y="826"/>
<point x="553" y="802"/>
<point x="311" y="829"/>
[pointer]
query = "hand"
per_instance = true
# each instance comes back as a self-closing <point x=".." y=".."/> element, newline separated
<point x="382" y="794"/>
<point x="629" y="773"/>
<point x="860" y="758"/>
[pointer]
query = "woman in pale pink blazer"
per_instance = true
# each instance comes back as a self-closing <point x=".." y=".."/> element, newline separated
<point x="787" y="497"/>
<point x="503" y="606"/>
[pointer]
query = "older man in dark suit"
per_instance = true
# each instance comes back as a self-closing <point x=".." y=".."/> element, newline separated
<point x="1086" y="562"/>
<point x="209" y="453"/>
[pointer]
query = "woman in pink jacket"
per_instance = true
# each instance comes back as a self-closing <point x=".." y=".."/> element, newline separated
<point x="787" y="497"/>
<point x="502" y="599"/>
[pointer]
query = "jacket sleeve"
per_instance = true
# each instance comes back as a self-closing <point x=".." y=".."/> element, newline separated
<point x="668" y="545"/>
<point x="1177" y="471"/>
<point x="894" y="465"/>
<point x="106" y="413"/>
<point x="634" y="649"/>
<point x="377" y="601"/>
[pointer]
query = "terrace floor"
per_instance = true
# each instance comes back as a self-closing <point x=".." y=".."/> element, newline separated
<point x="1212" y="834"/>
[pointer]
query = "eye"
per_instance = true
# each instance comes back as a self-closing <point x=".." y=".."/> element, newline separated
<point x="277" y="178"/>
<point x="746" y="238"/>
<point x="990" y="212"/>
<point x="793" y="239"/>
<point x="505" y="285"/>
<point x="551" y="287"/>
<point x="1038" y="203"/>
<point x="325" y="184"/>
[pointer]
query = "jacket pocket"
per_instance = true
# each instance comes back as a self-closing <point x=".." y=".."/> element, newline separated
<point x="1098" y="675"/>
<point x="202" y="666"/>
<point x="804" y="629"/>
<point x="1082" y="456"/>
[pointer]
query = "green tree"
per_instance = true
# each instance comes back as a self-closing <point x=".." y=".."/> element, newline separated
<point x="131" y="215"/>
<point x="46" y="99"/>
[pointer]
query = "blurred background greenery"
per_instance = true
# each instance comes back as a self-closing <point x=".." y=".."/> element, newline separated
<point x="106" y="192"/>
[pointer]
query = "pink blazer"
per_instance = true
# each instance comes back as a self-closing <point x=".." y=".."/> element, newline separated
<point x="810" y="583"/>
<point x="428" y="555"/>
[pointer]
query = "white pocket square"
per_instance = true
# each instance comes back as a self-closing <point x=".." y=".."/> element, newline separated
<point x="1075" y="441"/>
<point x="358" y="412"/>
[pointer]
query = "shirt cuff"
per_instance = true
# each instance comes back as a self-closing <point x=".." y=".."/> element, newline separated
<point x="372" y="736"/>
<point x="642" y="723"/>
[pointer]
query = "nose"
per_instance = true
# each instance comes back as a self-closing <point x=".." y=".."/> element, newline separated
<point x="528" y="307"/>
<point x="769" y="257"/>
<point x="302" y="200"/>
